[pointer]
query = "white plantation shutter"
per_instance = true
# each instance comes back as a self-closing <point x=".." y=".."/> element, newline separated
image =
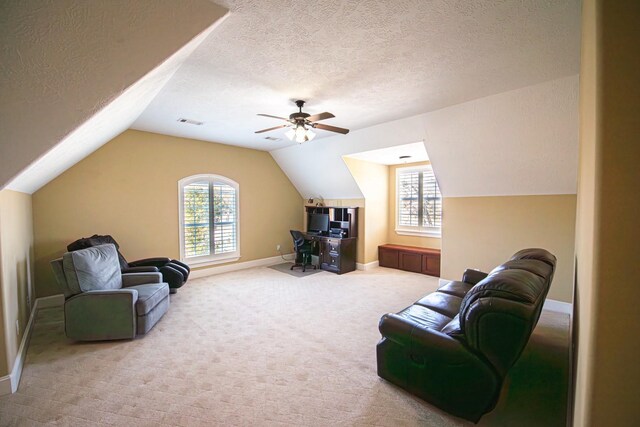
<point x="224" y="218"/>
<point x="419" y="204"/>
<point x="409" y="198"/>
<point x="197" y="225"/>
<point x="431" y="201"/>
<point x="208" y="218"/>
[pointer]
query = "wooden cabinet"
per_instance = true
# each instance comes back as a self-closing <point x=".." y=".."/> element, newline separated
<point x="388" y="257"/>
<point x="337" y="255"/>
<point x="410" y="258"/>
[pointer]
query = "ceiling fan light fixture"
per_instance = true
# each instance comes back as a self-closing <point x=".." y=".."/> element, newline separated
<point x="300" y="124"/>
<point x="301" y="133"/>
<point x="310" y="134"/>
<point x="291" y="134"/>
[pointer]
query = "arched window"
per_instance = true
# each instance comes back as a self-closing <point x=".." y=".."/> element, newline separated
<point x="209" y="219"/>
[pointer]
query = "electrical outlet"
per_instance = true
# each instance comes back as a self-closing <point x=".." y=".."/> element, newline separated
<point x="18" y="327"/>
<point x="278" y="248"/>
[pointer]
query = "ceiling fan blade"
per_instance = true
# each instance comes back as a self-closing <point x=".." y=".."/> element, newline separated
<point x="321" y="116"/>
<point x="273" y="117"/>
<point x="331" y="128"/>
<point x="273" y="128"/>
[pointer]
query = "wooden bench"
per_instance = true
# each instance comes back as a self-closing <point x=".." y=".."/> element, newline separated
<point x="410" y="258"/>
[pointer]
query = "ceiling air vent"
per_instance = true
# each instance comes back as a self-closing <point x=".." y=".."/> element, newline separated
<point x="191" y="122"/>
<point x="271" y="138"/>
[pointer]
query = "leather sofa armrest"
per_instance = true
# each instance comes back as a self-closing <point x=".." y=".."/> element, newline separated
<point x="473" y="276"/>
<point x="154" y="262"/>
<point x="428" y="346"/>
<point x="132" y="279"/>
<point x="146" y="269"/>
<point x="396" y="328"/>
<point x="405" y="331"/>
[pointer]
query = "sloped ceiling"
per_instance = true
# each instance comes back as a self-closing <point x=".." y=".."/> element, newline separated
<point x="65" y="61"/>
<point x="368" y="62"/>
<point x="76" y="73"/>
<point x="520" y="142"/>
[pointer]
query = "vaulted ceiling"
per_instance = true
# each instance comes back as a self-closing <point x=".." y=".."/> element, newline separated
<point x="77" y="75"/>
<point x="367" y="62"/>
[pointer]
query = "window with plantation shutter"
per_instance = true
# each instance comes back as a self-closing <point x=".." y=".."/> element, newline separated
<point x="419" y="202"/>
<point x="208" y="219"/>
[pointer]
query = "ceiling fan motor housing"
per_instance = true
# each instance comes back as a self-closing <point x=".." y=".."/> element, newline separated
<point x="298" y="116"/>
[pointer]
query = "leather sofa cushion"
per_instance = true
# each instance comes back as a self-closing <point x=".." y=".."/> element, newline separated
<point x="455" y="288"/>
<point x="92" y="269"/>
<point x="149" y="295"/>
<point x="453" y="327"/>
<point x="443" y="303"/>
<point x="425" y="317"/>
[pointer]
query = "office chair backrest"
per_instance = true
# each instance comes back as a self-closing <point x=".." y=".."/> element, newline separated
<point x="298" y="238"/>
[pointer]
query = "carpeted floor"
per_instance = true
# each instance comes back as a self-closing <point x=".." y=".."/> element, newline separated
<point x="258" y="347"/>
<point x="285" y="267"/>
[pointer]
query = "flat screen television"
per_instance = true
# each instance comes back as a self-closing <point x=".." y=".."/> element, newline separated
<point x="318" y="223"/>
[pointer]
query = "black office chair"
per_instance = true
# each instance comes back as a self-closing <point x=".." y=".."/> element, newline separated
<point x="303" y="251"/>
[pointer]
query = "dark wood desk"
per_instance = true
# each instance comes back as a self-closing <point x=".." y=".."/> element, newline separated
<point x="337" y="255"/>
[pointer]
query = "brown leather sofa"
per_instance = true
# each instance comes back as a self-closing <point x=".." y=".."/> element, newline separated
<point x="454" y="347"/>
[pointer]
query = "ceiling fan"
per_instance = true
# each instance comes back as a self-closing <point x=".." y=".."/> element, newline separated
<point x="300" y="124"/>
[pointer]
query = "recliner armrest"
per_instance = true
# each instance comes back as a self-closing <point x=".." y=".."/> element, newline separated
<point x="473" y="276"/>
<point x="145" y="269"/>
<point x="154" y="262"/>
<point x="101" y="315"/>
<point x="132" y="279"/>
<point x="403" y="330"/>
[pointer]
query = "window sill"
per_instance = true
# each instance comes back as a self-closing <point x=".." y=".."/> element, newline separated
<point x="433" y="234"/>
<point x="208" y="262"/>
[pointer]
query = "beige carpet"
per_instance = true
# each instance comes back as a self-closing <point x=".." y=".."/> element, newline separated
<point x="254" y="347"/>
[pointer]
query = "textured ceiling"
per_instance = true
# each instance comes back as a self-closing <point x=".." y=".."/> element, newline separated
<point x="368" y="62"/>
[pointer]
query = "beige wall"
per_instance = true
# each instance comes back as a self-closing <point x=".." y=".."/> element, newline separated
<point x="129" y="189"/>
<point x="16" y="246"/>
<point x="482" y="232"/>
<point x="392" y="235"/>
<point x="608" y="235"/>
<point x="373" y="181"/>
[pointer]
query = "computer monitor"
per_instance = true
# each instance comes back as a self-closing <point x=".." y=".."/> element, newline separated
<point x="318" y="222"/>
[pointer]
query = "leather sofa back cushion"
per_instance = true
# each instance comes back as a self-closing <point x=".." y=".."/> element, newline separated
<point x="539" y="268"/>
<point x="91" y="269"/>
<point x="498" y="314"/>
<point x="536" y="253"/>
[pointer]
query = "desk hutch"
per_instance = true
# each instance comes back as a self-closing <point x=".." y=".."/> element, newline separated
<point x="336" y="254"/>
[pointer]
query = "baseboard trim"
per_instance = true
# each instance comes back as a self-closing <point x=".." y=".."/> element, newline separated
<point x="558" y="306"/>
<point x="367" y="266"/>
<point x="211" y="271"/>
<point x="9" y="383"/>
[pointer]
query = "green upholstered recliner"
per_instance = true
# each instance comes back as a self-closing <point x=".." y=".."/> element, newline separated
<point x="101" y="303"/>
